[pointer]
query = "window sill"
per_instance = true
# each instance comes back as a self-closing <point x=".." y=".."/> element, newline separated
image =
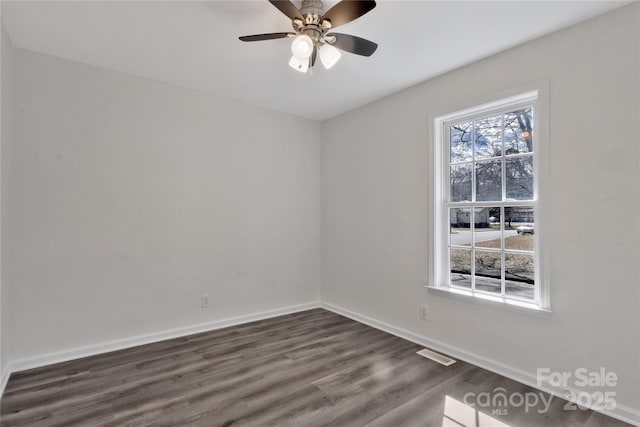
<point x="490" y="301"/>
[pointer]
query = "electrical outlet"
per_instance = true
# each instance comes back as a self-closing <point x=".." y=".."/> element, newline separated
<point x="424" y="312"/>
<point x="204" y="301"/>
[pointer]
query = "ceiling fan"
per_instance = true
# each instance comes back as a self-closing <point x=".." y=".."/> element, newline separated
<point x="312" y="38"/>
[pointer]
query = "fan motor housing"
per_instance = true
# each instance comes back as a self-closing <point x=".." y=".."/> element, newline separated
<point x="312" y="11"/>
<point x="311" y="8"/>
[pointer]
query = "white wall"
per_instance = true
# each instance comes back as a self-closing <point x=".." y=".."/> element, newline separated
<point x="6" y="91"/>
<point x="126" y="199"/>
<point x="375" y="217"/>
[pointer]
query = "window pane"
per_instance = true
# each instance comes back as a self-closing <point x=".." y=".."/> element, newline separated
<point x="461" y="149"/>
<point x="488" y="133"/>
<point x="518" y="132"/>
<point x="461" y="267"/>
<point x="489" y="180"/>
<point x="488" y="271"/>
<point x="461" y="176"/>
<point x="460" y="226"/>
<point x="519" y="275"/>
<point x="519" y="228"/>
<point x="487" y="227"/>
<point x="519" y="178"/>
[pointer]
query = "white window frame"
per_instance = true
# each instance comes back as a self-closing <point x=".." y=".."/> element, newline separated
<point x="537" y="97"/>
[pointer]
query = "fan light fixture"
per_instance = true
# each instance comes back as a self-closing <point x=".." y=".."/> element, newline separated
<point x="329" y="55"/>
<point x="312" y="36"/>
<point x="302" y="47"/>
<point x="298" y="64"/>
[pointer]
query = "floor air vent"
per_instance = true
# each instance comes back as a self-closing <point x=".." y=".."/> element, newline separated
<point x="436" y="357"/>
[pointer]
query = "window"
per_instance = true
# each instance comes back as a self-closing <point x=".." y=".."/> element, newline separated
<point x="487" y="228"/>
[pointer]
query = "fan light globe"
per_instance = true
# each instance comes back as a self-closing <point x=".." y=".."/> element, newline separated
<point x="298" y="64"/>
<point x="329" y="55"/>
<point x="302" y="47"/>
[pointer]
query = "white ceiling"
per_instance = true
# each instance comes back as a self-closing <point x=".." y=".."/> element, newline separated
<point x="195" y="44"/>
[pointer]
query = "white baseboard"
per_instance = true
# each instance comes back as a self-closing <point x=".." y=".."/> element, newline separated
<point x="621" y="412"/>
<point x="91" y="350"/>
<point x="5" y="380"/>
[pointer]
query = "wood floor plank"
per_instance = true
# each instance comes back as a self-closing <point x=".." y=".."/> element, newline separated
<point x="313" y="368"/>
<point x="225" y="353"/>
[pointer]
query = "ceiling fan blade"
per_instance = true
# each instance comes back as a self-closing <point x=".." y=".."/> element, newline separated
<point x="269" y="36"/>
<point x="288" y="8"/>
<point x="314" y="56"/>
<point x="353" y="44"/>
<point x="347" y="11"/>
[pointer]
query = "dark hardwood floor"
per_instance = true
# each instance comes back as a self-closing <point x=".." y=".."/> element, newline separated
<point x="305" y="369"/>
